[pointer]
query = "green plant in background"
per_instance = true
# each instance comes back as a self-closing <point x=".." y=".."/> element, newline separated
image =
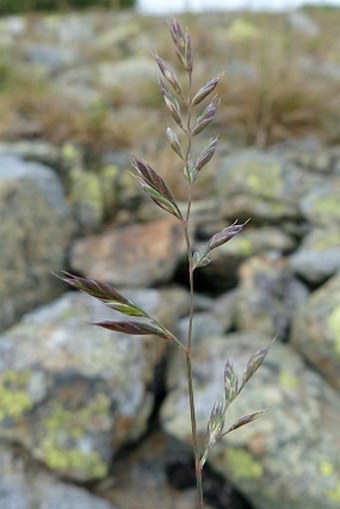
<point x="191" y="118"/>
<point x="21" y="6"/>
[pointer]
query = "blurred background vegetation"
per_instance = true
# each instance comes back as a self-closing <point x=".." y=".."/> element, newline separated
<point x="281" y="77"/>
<point x="22" y="6"/>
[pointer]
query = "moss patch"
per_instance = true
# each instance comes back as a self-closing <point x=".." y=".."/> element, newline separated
<point x="14" y="400"/>
<point x="242" y="465"/>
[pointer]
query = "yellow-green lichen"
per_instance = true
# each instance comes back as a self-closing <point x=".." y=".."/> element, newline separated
<point x="254" y="172"/>
<point x="242" y="465"/>
<point x="14" y="399"/>
<point x="64" y="430"/>
<point x="108" y="181"/>
<point x="71" y="155"/>
<point x="243" y="247"/>
<point x="66" y="459"/>
<point x="334" y="495"/>
<point x="242" y="30"/>
<point x="288" y="380"/>
<point x="86" y="195"/>
<point x="326" y="468"/>
<point x="324" y="241"/>
<point x="327" y="207"/>
<point x="333" y="322"/>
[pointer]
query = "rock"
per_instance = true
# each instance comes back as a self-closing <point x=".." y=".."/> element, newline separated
<point x="79" y="86"/>
<point x="267" y="297"/>
<point x="129" y="81"/>
<point x="136" y="255"/>
<point x="162" y="469"/>
<point x="35" y="231"/>
<point x="321" y="207"/>
<point x="311" y="156"/>
<point x="50" y="58"/>
<point x="316" y="331"/>
<point x="263" y="186"/>
<point x="32" y="150"/>
<point x="318" y="257"/>
<point x="273" y="461"/>
<point x="74" y="395"/>
<point x="303" y="24"/>
<point x="87" y="200"/>
<point x="72" y="28"/>
<point x="222" y="273"/>
<point x="120" y="39"/>
<point x="204" y="325"/>
<point x="26" y="487"/>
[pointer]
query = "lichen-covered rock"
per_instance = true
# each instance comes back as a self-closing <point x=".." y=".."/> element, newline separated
<point x="32" y="150"/>
<point x="27" y="487"/>
<point x="130" y="80"/>
<point x="321" y="207"/>
<point x="287" y="459"/>
<point x="72" y="394"/>
<point x="35" y="230"/>
<point x="267" y="297"/>
<point x="96" y="196"/>
<point x="316" y="330"/>
<point x="136" y="255"/>
<point x="263" y="186"/>
<point x="318" y="257"/>
<point x="51" y="58"/>
<point x="222" y="273"/>
<point x="87" y="199"/>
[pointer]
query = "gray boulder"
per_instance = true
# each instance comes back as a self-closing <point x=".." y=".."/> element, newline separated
<point x="35" y="231"/>
<point x="316" y="330"/>
<point x="268" y="295"/>
<point x="321" y="207"/>
<point x="222" y="273"/>
<point x="73" y="394"/>
<point x="24" y="487"/>
<point x="266" y="187"/>
<point x="129" y="80"/>
<point x="287" y="459"/>
<point x="318" y="257"/>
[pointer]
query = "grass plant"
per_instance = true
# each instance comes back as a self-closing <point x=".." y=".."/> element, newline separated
<point x="192" y="111"/>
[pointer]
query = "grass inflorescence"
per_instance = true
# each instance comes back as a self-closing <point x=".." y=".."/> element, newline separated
<point x="192" y="109"/>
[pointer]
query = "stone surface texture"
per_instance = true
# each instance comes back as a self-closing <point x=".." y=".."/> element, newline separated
<point x="92" y="419"/>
